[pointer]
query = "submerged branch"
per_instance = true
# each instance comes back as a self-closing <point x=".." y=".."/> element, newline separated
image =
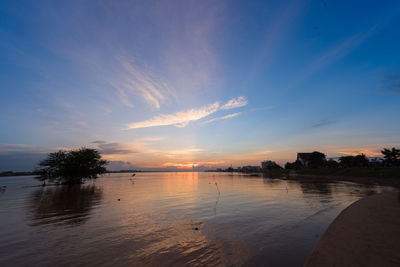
<point x="217" y="188"/>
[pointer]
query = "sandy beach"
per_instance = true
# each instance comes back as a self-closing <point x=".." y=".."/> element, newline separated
<point x="367" y="233"/>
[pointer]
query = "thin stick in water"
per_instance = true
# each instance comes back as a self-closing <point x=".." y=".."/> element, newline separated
<point x="217" y="188"/>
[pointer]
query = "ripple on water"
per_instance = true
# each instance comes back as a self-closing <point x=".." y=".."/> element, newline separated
<point x="168" y="219"/>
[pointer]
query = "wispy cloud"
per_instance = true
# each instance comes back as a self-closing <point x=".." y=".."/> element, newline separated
<point x="17" y="148"/>
<point x="120" y="165"/>
<point x="232" y="115"/>
<point x="391" y="83"/>
<point x="336" y="52"/>
<point x="224" y="117"/>
<point x="236" y="102"/>
<point x="367" y="152"/>
<point x="119" y="148"/>
<point x="281" y="24"/>
<point x="27" y="149"/>
<point x="151" y="139"/>
<point x="182" y="59"/>
<point x="179" y="165"/>
<point x="134" y="81"/>
<point x="151" y="52"/>
<point x="123" y="96"/>
<point x="323" y="123"/>
<point x="99" y="142"/>
<point x="188" y="54"/>
<point x="179" y="119"/>
<point x="183" y="118"/>
<point x="185" y="151"/>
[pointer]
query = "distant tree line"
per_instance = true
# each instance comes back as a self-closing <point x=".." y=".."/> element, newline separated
<point x="391" y="158"/>
<point x="11" y="173"/>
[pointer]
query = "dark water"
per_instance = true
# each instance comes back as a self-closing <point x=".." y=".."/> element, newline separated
<point x="168" y="219"/>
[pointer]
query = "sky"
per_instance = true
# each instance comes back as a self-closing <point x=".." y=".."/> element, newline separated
<point x="173" y="84"/>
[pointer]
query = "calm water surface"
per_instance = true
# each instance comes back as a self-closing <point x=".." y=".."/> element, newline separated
<point x="168" y="219"/>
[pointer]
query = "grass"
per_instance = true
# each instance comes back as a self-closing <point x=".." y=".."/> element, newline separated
<point x="378" y="172"/>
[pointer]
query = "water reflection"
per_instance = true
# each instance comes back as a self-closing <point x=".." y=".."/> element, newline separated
<point x="2" y="189"/>
<point x="271" y="181"/>
<point x="216" y="204"/>
<point x="272" y="174"/>
<point x="314" y="187"/>
<point x="170" y="219"/>
<point x="63" y="204"/>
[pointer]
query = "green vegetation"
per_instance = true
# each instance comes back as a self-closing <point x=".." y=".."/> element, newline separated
<point x="392" y="156"/>
<point x="315" y="163"/>
<point x="71" y="167"/>
<point x="318" y="160"/>
<point x="353" y="161"/>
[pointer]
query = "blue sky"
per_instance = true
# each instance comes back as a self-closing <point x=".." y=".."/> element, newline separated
<point x="169" y="84"/>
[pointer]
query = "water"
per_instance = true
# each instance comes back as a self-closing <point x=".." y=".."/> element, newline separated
<point x="168" y="219"/>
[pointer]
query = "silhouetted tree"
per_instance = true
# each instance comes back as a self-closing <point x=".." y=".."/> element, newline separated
<point x="392" y="156"/>
<point x="71" y="167"/>
<point x="294" y="165"/>
<point x="354" y="161"/>
<point x="269" y="165"/>
<point x="316" y="160"/>
<point x="332" y="163"/>
<point x="360" y="161"/>
<point x="375" y="162"/>
<point x="346" y="161"/>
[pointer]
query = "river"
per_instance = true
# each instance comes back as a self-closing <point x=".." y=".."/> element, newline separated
<point x="168" y="219"/>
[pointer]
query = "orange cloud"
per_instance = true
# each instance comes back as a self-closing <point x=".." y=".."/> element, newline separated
<point x="189" y="165"/>
<point x="367" y="152"/>
<point x="179" y="165"/>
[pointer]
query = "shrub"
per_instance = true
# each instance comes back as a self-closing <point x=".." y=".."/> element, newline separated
<point x="71" y="167"/>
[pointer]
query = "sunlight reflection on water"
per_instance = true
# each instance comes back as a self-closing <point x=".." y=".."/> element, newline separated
<point x="168" y="219"/>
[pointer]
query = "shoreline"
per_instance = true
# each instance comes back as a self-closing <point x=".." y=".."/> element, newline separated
<point x="382" y="181"/>
<point x="364" y="234"/>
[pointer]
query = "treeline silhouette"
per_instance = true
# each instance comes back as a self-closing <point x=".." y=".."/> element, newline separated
<point x="316" y="159"/>
<point x="11" y="173"/>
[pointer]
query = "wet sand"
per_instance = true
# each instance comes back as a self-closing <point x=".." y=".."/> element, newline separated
<point x="367" y="233"/>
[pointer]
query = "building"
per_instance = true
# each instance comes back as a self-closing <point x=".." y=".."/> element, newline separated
<point x="303" y="158"/>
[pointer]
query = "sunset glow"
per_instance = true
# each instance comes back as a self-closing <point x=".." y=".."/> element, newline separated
<point x="171" y="85"/>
